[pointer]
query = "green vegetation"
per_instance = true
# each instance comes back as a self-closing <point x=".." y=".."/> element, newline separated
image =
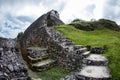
<point x="102" y="37"/>
<point x="19" y="36"/>
<point x="53" y="74"/>
<point x="101" y="23"/>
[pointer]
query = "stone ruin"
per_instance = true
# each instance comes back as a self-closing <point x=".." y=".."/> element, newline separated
<point x="54" y="49"/>
<point x="12" y="66"/>
<point x="43" y="47"/>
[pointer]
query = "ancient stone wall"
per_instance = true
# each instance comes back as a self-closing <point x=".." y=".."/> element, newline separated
<point x="35" y="33"/>
<point x="12" y="66"/>
<point x="63" y="50"/>
<point x="42" y="33"/>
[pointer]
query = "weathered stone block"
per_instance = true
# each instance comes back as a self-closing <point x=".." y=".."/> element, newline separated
<point x="94" y="73"/>
<point x="95" y="59"/>
<point x="43" y="65"/>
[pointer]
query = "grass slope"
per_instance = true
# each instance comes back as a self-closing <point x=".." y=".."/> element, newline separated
<point x="99" y="37"/>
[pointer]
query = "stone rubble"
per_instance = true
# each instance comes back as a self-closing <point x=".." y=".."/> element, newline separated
<point x="12" y="66"/>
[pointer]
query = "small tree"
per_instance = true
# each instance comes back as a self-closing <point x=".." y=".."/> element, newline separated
<point x="77" y="20"/>
<point x="20" y="34"/>
<point x="93" y="19"/>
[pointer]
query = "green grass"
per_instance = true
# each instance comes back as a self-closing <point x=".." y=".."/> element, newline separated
<point x="53" y="74"/>
<point x="99" y="37"/>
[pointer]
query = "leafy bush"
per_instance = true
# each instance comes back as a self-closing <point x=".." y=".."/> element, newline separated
<point x="77" y="20"/>
<point x="109" y="24"/>
<point x="92" y="25"/>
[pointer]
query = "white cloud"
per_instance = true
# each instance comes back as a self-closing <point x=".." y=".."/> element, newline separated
<point x="20" y="14"/>
<point x="15" y="12"/>
<point x="77" y="9"/>
<point x="112" y="10"/>
<point x="98" y="12"/>
<point x="32" y="10"/>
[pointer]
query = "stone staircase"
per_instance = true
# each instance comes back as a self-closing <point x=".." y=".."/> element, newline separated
<point x="94" y="67"/>
<point x="83" y="52"/>
<point x="39" y="59"/>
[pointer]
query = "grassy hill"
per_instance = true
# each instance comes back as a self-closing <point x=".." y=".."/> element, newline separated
<point x="101" y="36"/>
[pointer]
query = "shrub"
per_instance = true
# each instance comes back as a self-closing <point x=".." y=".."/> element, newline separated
<point x="20" y="34"/>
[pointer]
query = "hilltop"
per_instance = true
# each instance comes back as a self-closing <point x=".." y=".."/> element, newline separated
<point x="95" y="24"/>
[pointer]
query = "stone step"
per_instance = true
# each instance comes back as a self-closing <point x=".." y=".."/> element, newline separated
<point x="21" y="78"/>
<point x="78" y="47"/>
<point x="44" y="64"/>
<point x="69" y="77"/>
<point x="37" y="48"/>
<point x="37" y="52"/>
<point x="81" y="50"/>
<point x="95" y="59"/>
<point x="94" y="73"/>
<point x="1" y="49"/>
<point x="85" y="54"/>
<point x="34" y="60"/>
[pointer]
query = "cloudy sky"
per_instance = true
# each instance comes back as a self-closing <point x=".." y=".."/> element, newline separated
<point x="17" y="15"/>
